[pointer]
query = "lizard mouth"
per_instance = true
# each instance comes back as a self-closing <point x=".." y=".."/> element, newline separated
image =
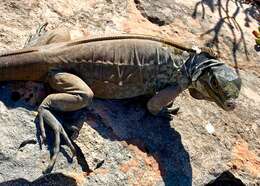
<point x="227" y="105"/>
<point x="230" y="104"/>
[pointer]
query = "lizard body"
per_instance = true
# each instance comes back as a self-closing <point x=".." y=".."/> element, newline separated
<point x="117" y="67"/>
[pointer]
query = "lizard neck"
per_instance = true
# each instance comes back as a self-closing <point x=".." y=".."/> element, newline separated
<point x="173" y="72"/>
<point x="25" y="64"/>
<point x="195" y="65"/>
<point x="179" y="75"/>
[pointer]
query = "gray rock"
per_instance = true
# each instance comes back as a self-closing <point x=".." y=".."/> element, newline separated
<point x="119" y="140"/>
<point x="162" y="12"/>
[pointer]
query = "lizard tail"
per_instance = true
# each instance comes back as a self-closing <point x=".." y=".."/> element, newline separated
<point x="16" y="52"/>
<point x="24" y="64"/>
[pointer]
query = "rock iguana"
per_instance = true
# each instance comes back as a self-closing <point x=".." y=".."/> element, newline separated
<point x="116" y="67"/>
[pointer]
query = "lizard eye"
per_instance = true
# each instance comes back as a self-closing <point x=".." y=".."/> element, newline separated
<point x="214" y="83"/>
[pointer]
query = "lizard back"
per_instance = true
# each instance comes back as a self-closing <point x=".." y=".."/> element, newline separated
<point x="119" y="68"/>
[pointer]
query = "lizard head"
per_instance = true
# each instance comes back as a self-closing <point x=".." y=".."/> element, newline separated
<point x="218" y="83"/>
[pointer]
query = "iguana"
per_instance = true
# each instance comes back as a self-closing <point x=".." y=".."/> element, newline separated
<point x="117" y="67"/>
<point x="43" y="37"/>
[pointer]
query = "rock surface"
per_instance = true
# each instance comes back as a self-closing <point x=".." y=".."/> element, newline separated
<point x="119" y="140"/>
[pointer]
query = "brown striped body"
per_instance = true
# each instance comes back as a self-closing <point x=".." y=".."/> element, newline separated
<point x="113" y="68"/>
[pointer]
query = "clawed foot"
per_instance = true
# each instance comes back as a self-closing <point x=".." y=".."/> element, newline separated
<point x="45" y="116"/>
<point x="40" y="30"/>
<point x="168" y="113"/>
<point x="74" y="132"/>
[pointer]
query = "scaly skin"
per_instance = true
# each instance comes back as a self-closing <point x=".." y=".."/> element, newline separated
<point x="116" y="67"/>
<point x="120" y="63"/>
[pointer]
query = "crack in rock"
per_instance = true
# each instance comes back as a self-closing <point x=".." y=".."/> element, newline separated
<point x="153" y="19"/>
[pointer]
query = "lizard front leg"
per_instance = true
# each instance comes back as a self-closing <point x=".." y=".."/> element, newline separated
<point x="158" y="104"/>
<point x="73" y="94"/>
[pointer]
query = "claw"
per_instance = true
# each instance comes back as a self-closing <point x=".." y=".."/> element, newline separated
<point x="42" y="28"/>
<point x="67" y="140"/>
<point x="168" y="113"/>
<point x="75" y="132"/>
<point x="43" y="133"/>
<point x="42" y="140"/>
<point x="174" y="110"/>
<point x="28" y="40"/>
<point x="49" y="118"/>
<point x="56" y="150"/>
<point x="170" y="104"/>
<point x="48" y="169"/>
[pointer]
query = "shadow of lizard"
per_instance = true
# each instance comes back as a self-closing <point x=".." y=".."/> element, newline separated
<point x="129" y="121"/>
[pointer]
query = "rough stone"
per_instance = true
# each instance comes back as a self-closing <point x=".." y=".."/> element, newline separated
<point x="161" y="12"/>
<point x="119" y="140"/>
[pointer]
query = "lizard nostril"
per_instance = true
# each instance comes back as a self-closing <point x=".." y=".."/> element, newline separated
<point x="231" y="104"/>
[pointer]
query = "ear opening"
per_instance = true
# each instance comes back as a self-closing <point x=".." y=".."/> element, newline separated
<point x="195" y="94"/>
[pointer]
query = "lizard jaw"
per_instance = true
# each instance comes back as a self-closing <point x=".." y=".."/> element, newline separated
<point x="227" y="105"/>
<point x="230" y="105"/>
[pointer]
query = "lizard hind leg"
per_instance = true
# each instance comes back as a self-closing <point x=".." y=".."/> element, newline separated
<point x="73" y="94"/>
